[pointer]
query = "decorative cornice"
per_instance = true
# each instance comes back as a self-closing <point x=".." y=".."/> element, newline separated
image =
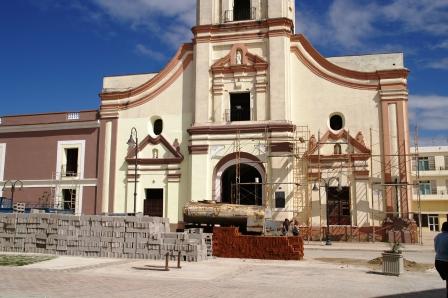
<point x="233" y="129"/>
<point x="50" y="126"/>
<point x="339" y="75"/>
<point x="177" y="159"/>
<point x="114" y="100"/>
<point x="342" y="135"/>
<point x="250" y="62"/>
<point x="198" y="149"/>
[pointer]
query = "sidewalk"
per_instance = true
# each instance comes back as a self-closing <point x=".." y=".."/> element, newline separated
<point x="365" y="246"/>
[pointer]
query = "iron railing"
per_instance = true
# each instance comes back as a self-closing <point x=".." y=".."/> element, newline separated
<point x="240" y="15"/>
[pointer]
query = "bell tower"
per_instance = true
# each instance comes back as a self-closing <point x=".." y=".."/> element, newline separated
<point x="259" y="29"/>
<point x="210" y="12"/>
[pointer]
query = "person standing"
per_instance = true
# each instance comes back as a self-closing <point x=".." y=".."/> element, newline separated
<point x="285" y="227"/>
<point x="296" y="228"/>
<point x="441" y="248"/>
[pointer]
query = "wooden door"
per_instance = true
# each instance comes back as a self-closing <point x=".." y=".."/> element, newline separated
<point x="153" y="205"/>
<point x="338" y="206"/>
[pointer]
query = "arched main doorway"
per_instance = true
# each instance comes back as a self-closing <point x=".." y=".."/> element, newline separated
<point x="248" y="192"/>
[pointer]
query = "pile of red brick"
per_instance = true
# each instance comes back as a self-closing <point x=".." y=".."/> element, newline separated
<point x="228" y="243"/>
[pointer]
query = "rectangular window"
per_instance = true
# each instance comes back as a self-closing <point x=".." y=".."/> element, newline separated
<point x="240" y="107"/>
<point x="241" y="10"/>
<point x="71" y="166"/>
<point x="433" y="223"/>
<point x="423" y="164"/>
<point x="69" y="199"/>
<point x="425" y="187"/>
<point x="280" y="199"/>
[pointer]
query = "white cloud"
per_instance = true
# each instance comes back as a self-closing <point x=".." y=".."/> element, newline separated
<point x="442" y="45"/>
<point x="169" y="20"/>
<point x="352" y="24"/>
<point x="440" y="64"/>
<point x="145" y="51"/>
<point x="429" y="112"/>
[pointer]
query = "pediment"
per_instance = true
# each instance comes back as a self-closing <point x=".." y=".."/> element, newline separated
<point x="239" y="59"/>
<point x="156" y="151"/>
<point x="350" y="147"/>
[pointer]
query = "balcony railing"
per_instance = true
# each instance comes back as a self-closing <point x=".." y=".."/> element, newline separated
<point x="73" y="116"/>
<point x="240" y="117"/>
<point x="240" y="15"/>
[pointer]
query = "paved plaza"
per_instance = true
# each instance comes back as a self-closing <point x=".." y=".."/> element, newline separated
<point x="313" y="277"/>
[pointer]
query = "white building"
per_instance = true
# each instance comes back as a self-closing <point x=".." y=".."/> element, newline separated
<point x="430" y="174"/>
<point x="251" y="99"/>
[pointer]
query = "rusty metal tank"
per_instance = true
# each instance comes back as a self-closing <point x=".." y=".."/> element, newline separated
<point x="212" y="213"/>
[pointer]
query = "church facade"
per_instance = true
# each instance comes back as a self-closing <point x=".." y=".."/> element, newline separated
<point x="250" y="113"/>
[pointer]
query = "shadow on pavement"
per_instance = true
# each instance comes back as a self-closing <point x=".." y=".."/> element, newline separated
<point x="154" y="268"/>
<point x="438" y="293"/>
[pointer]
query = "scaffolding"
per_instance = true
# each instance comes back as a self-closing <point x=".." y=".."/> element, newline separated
<point x="61" y="181"/>
<point x="304" y="172"/>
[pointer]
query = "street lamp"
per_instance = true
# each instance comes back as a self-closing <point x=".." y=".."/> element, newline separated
<point x="327" y="183"/>
<point x="13" y="189"/>
<point x="132" y="143"/>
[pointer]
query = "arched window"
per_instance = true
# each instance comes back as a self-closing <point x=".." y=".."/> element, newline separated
<point x="337" y="149"/>
<point x="158" y="127"/>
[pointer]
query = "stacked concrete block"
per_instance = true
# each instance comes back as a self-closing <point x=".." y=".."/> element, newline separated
<point x="101" y="236"/>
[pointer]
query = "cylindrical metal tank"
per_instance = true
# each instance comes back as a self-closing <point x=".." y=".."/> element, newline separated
<point x="221" y="214"/>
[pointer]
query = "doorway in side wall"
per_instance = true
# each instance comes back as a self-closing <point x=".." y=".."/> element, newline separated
<point x="153" y="205"/>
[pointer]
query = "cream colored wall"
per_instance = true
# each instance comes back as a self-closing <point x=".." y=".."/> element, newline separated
<point x="175" y="107"/>
<point x="314" y="99"/>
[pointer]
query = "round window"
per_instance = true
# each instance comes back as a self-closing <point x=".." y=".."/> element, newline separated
<point x="336" y="122"/>
<point x="158" y="127"/>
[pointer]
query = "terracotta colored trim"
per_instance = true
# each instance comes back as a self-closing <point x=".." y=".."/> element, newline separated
<point x="174" y="177"/>
<point x="282" y="147"/>
<point x="339" y="157"/>
<point x="129" y="176"/>
<point x="343" y="134"/>
<point x="100" y="165"/>
<point x="240" y="37"/>
<point x="377" y="75"/>
<point x="113" y="162"/>
<point x="329" y="78"/>
<point x="178" y="157"/>
<point x="198" y="149"/>
<point x="234" y="26"/>
<point x="49" y="126"/>
<point x="49" y="113"/>
<point x="153" y="94"/>
<point x="402" y="160"/>
<point x="232" y="129"/>
<point x="250" y="62"/>
<point x="386" y="155"/>
<point x="184" y="49"/>
<point x="363" y="173"/>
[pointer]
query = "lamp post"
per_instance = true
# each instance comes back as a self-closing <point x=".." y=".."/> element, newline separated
<point x="13" y="189"/>
<point x="133" y="143"/>
<point x="327" y="183"/>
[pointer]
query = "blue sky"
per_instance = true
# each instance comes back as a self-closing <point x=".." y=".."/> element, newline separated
<point x="54" y="53"/>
